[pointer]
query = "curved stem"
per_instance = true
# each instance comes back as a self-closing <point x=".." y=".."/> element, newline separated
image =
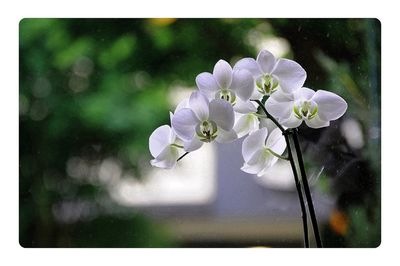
<point x="261" y="116"/>
<point x="183" y="155"/>
<point x="296" y="178"/>
<point x="277" y="155"/>
<point x="178" y="146"/>
<point x="299" y="192"/>
<point x="269" y="116"/>
<point x="307" y="189"/>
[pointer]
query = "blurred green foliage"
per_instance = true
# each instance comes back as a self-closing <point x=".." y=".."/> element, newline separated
<point x="96" y="88"/>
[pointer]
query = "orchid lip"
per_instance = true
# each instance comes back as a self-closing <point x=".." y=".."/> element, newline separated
<point x="207" y="131"/>
<point x="226" y="95"/>
<point x="267" y="84"/>
<point x="305" y="110"/>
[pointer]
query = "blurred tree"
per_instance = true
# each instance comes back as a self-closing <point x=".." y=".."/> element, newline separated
<point x="92" y="91"/>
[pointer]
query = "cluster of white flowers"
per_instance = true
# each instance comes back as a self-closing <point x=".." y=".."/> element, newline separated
<point x="223" y="110"/>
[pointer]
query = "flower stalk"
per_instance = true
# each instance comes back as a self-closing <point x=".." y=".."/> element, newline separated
<point x="298" y="188"/>
<point x="286" y="134"/>
<point x="223" y="110"/>
<point x="269" y="116"/>
<point x="306" y="189"/>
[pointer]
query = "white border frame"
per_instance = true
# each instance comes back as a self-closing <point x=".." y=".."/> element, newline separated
<point x="11" y="13"/>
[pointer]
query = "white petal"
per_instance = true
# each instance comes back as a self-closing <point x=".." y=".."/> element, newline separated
<point x="276" y="141"/>
<point x="184" y="123"/>
<point x="266" y="122"/>
<point x="252" y="169"/>
<point x="242" y="84"/>
<point x="167" y="158"/>
<point x="279" y="109"/>
<point x="269" y="161"/>
<point x="316" y="122"/>
<point x="206" y="83"/>
<point x="254" y="143"/>
<point x="266" y="61"/>
<point x="303" y="94"/>
<point x="244" y="107"/>
<point x="330" y="105"/>
<point x="193" y="144"/>
<point x="223" y="74"/>
<point x="256" y="163"/>
<point x="246" y="124"/>
<point x="291" y="122"/>
<point x="199" y="104"/>
<point x="249" y="64"/>
<point x="183" y="104"/>
<point x="160" y="138"/>
<point x="290" y="74"/>
<point x="221" y="112"/>
<point x="171" y="115"/>
<point x="281" y="96"/>
<point x="256" y="95"/>
<point x="226" y="136"/>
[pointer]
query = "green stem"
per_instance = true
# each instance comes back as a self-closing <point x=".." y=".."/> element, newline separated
<point x="277" y="155"/>
<point x="307" y="189"/>
<point x="296" y="178"/>
<point x="260" y="116"/>
<point x="298" y="188"/>
<point x="176" y="145"/>
<point x="269" y="116"/>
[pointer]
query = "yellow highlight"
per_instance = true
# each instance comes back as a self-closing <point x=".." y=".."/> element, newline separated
<point x="162" y="21"/>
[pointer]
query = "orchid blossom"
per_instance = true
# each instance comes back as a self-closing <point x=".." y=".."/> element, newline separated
<point x="163" y="147"/>
<point x="270" y="73"/>
<point x="246" y="119"/>
<point x="226" y="84"/>
<point x="221" y="110"/>
<point x="261" y="151"/>
<point x="205" y="120"/>
<point x="316" y="109"/>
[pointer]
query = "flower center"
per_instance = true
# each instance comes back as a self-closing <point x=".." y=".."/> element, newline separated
<point x="305" y="109"/>
<point x="267" y="84"/>
<point x="226" y="95"/>
<point x="207" y="131"/>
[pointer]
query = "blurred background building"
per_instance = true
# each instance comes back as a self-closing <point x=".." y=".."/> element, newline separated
<point x="92" y="91"/>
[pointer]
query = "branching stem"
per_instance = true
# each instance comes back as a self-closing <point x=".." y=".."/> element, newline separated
<point x="269" y="116"/>
<point x="294" y="170"/>
<point x="279" y="156"/>
<point x="293" y="133"/>
<point x="307" y="189"/>
<point x="299" y="192"/>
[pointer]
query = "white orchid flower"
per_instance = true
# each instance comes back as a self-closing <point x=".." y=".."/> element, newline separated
<point x="163" y="147"/>
<point x="269" y="124"/>
<point x="271" y="74"/>
<point x="317" y="109"/>
<point x="246" y="124"/>
<point x="194" y="143"/>
<point x="226" y="84"/>
<point x="204" y="120"/>
<point x="260" y="152"/>
<point x="246" y="118"/>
